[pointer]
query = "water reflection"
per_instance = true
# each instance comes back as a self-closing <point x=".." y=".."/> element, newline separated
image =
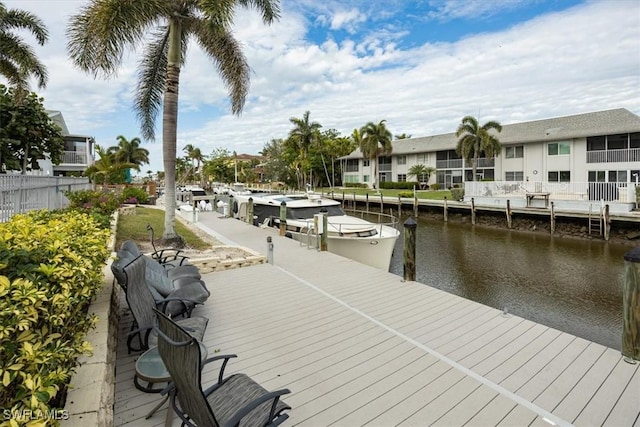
<point x="573" y="285"/>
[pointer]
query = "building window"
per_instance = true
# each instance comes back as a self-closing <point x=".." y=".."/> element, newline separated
<point x="515" y="152"/>
<point x="617" y="176"/>
<point x="352" y="165"/>
<point x="365" y="163"/>
<point x="402" y="160"/>
<point x="365" y="178"/>
<point x="597" y="176"/>
<point x="422" y="158"/>
<point x="402" y="177"/>
<point x="559" y="176"/>
<point x="351" y="178"/>
<point x="514" y="176"/>
<point x="558" y="148"/>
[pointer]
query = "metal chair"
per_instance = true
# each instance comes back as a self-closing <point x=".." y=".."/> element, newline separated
<point x="172" y="257"/>
<point x="142" y="303"/>
<point x="231" y="401"/>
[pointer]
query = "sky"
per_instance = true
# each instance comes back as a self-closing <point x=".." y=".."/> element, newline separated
<point x="421" y="65"/>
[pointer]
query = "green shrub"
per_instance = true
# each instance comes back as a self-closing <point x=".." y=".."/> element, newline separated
<point x="134" y="195"/>
<point x="457" y="193"/>
<point x="99" y="205"/>
<point x="435" y="186"/>
<point x="355" y="185"/>
<point x="406" y="194"/>
<point x="404" y="185"/>
<point x="51" y="266"/>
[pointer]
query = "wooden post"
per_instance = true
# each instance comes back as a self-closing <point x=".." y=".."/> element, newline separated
<point x="409" y="270"/>
<point x="343" y="199"/>
<point x="553" y="219"/>
<point x="415" y="202"/>
<point x="366" y="197"/>
<point x="283" y="218"/>
<point x="399" y="207"/>
<point x="325" y="230"/>
<point x="249" y="218"/>
<point x="631" y="306"/>
<point x="606" y="223"/>
<point x="231" y="206"/>
<point x="354" y="200"/>
<point x="381" y="204"/>
<point x="446" y="210"/>
<point x="473" y="211"/>
<point x="508" y="211"/>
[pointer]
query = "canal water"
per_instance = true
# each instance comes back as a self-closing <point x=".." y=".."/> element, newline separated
<point x="573" y="285"/>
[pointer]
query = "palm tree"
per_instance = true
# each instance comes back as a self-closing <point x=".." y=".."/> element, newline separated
<point x="105" y="29"/>
<point x="304" y="134"/>
<point x="106" y="166"/>
<point x="18" y="61"/>
<point x="421" y="172"/>
<point x="477" y="140"/>
<point x="375" y="141"/>
<point x="196" y="156"/>
<point x="131" y="152"/>
<point x="402" y="136"/>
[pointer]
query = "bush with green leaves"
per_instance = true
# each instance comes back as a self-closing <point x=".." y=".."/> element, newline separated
<point x="355" y="185"/>
<point x="51" y="267"/>
<point x="406" y="194"/>
<point x="435" y="186"/>
<point x="457" y="193"/>
<point x="99" y="205"/>
<point x="404" y="185"/>
<point x="134" y="195"/>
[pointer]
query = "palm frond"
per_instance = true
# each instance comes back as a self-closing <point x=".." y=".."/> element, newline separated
<point x="152" y="72"/>
<point x="226" y="53"/>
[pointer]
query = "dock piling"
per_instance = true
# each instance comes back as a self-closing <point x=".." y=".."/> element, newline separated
<point x="249" y="217"/>
<point x="553" y="219"/>
<point x="473" y="211"/>
<point x="325" y="230"/>
<point x="508" y="212"/>
<point x="631" y="307"/>
<point x="409" y="269"/>
<point x="283" y="218"/>
<point x="606" y="222"/>
<point x="446" y="210"/>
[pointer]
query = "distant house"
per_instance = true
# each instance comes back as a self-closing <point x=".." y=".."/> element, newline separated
<point x="78" y="151"/>
<point x="594" y="147"/>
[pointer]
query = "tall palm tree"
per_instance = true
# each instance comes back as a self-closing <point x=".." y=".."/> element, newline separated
<point x="105" y="29"/>
<point x="376" y="141"/>
<point x="131" y="152"/>
<point x="18" y="61"/>
<point x="196" y="156"/>
<point x="421" y="172"/>
<point x="476" y="140"/>
<point x="304" y="134"/>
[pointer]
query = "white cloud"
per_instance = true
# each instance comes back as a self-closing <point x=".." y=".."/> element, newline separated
<point x="583" y="59"/>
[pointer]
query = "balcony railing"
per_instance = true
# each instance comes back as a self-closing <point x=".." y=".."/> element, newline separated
<point x="75" y="158"/>
<point x="385" y="167"/>
<point x="621" y="192"/>
<point x="449" y="164"/>
<point x="613" y="156"/>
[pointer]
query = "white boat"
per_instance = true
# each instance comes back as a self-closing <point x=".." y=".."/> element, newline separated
<point x="350" y="236"/>
<point x="238" y="189"/>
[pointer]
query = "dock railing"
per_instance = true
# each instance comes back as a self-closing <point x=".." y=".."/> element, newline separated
<point x="616" y="192"/>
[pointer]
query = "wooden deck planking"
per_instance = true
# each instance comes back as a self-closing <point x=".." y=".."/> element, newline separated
<point x="351" y="343"/>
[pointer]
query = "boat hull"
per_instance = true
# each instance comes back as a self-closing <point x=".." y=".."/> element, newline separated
<point x="375" y="251"/>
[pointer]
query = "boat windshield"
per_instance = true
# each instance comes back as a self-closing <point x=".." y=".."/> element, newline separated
<point x="308" y="212"/>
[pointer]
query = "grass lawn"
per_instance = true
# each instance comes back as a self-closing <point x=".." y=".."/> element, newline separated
<point x="134" y="227"/>
<point x="422" y="194"/>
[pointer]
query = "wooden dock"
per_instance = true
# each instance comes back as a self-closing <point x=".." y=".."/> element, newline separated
<point x="358" y="346"/>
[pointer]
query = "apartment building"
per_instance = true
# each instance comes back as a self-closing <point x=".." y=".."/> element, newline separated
<point x="597" y="147"/>
<point x="78" y="151"/>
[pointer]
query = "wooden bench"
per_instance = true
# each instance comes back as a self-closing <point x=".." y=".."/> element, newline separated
<point x="531" y="196"/>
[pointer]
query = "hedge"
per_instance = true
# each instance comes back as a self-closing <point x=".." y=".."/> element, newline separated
<point x="405" y="185"/>
<point x="51" y="267"/>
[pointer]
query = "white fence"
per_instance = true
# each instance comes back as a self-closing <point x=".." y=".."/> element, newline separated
<point x="614" y="192"/>
<point x="22" y="193"/>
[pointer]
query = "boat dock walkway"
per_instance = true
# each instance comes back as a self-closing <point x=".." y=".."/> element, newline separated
<point x="359" y="346"/>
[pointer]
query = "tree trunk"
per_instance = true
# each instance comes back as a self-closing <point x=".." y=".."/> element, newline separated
<point x="169" y="132"/>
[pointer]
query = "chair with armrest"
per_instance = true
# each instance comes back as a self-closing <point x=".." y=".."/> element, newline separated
<point x="142" y="303"/>
<point x="170" y="256"/>
<point x="231" y="401"/>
